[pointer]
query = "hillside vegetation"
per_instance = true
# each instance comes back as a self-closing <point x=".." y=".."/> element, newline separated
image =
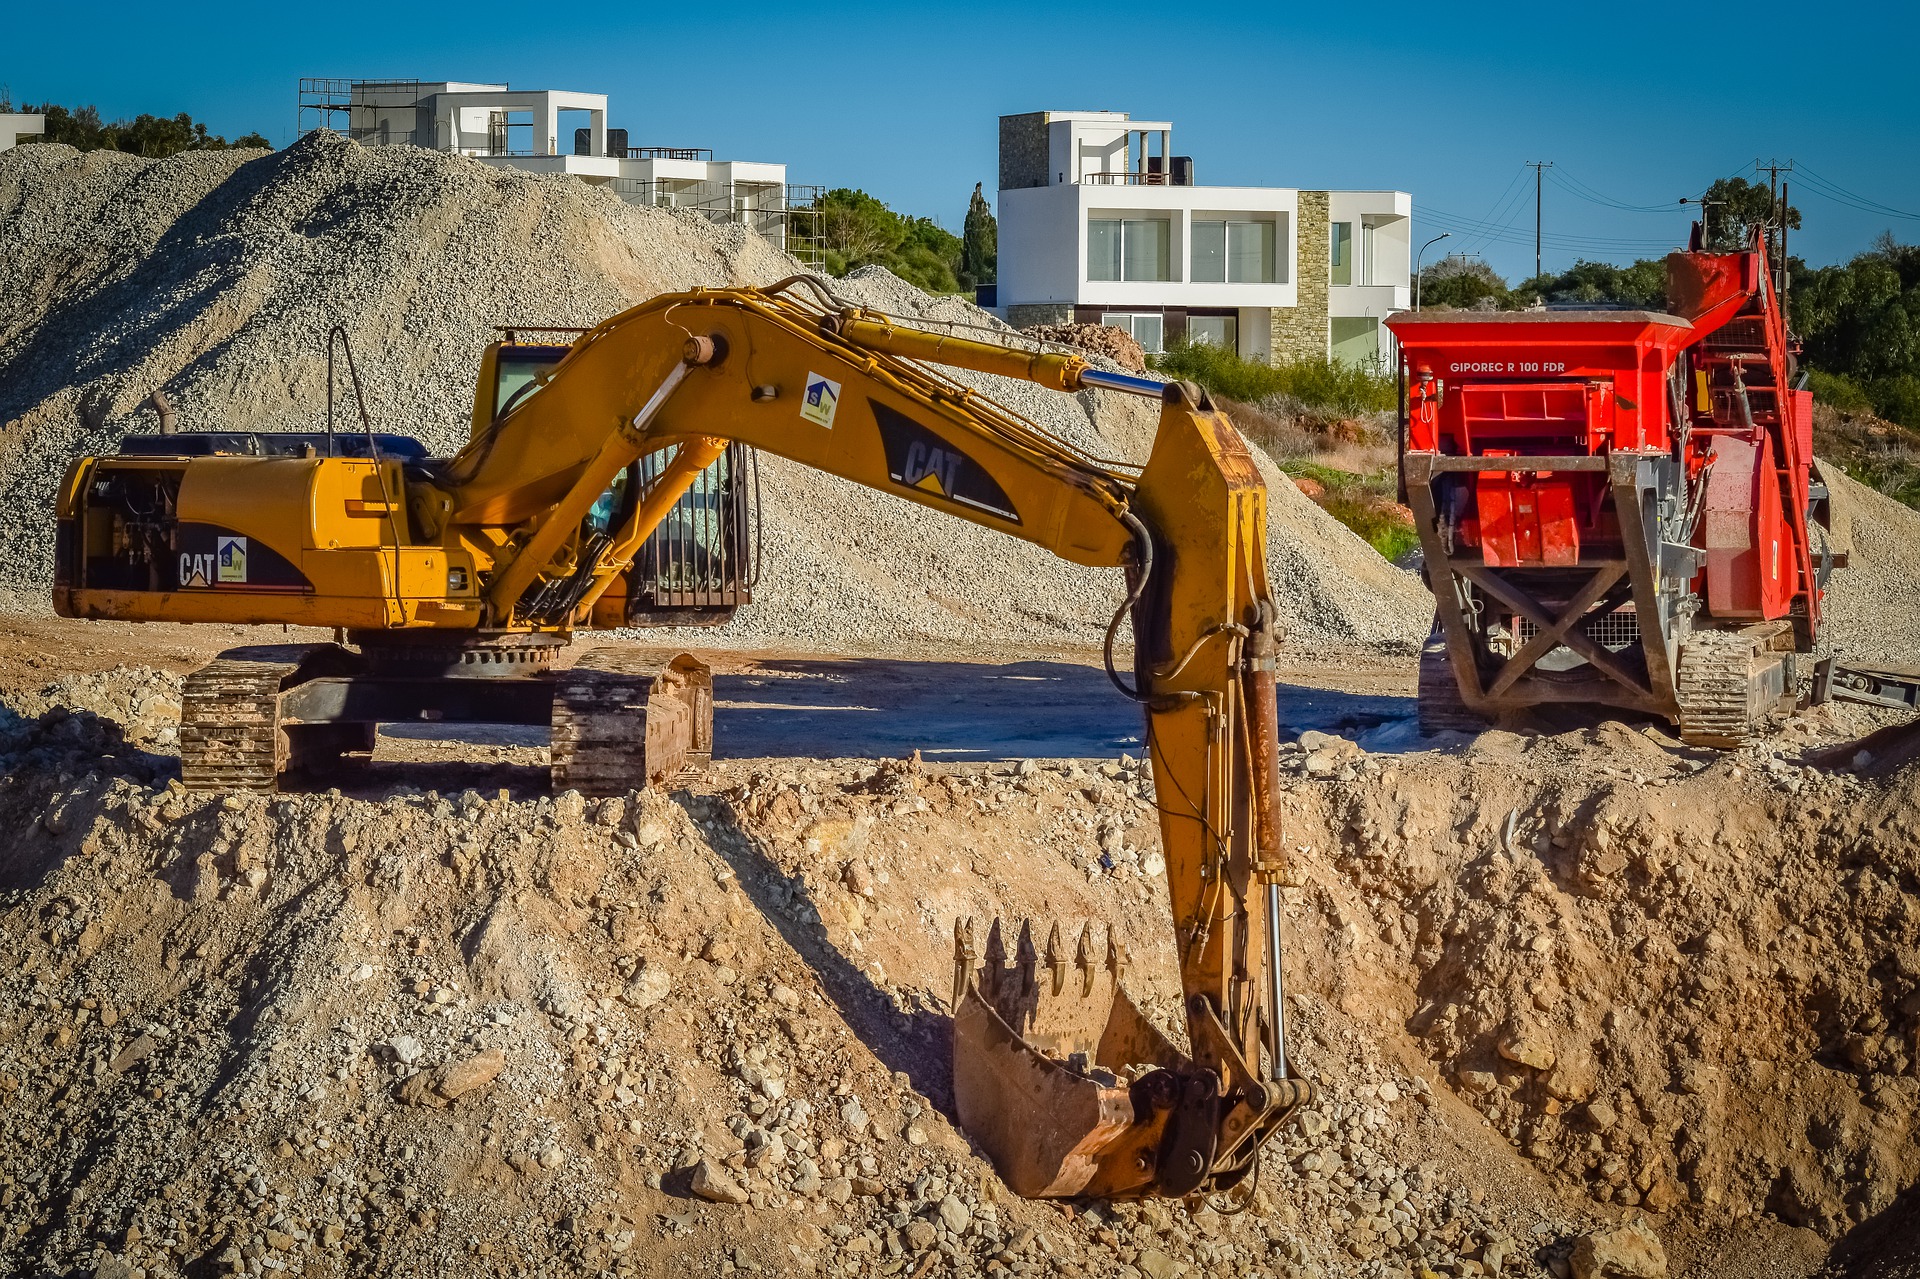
<point x="1329" y="425"/>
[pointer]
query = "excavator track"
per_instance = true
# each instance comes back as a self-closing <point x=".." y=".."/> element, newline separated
<point x="230" y="733"/>
<point x="1715" y="691"/>
<point x="623" y="722"/>
<point x="1441" y="708"/>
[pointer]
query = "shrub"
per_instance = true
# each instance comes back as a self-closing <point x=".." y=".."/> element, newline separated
<point x="1366" y="504"/>
<point x="1837" y="391"/>
<point x="1321" y="384"/>
<point x="1896" y="399"/>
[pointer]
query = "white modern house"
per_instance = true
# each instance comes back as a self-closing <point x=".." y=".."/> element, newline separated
<point x="15" y="126"/>
<point x="1101" y="223"/>
<point x="552" y="131"/>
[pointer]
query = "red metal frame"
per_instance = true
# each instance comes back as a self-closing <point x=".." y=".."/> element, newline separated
<point x="1538" y="441"/>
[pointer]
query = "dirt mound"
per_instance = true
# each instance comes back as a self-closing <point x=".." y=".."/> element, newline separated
<point x="216" y="276"/>
<point x="1548" y="986"/>
<point x="1685" y="985"/>
<point x="1102" y="339"/>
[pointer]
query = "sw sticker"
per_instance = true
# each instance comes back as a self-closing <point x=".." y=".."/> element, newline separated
<point x="821" y="401"/>
<point x="230" y="556"/>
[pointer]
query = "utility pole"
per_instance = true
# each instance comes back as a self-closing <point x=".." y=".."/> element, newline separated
<point x="1537" y="166"/>
<point x="1777" y="212"/>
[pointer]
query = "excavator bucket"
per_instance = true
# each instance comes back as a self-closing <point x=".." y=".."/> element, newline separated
<point x="1056" y="1073"/>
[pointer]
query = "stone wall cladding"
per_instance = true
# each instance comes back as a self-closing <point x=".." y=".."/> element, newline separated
<point x="1299" y="332"/>
<point x="1023" y="151"/>
<point x="1026" y="314"/>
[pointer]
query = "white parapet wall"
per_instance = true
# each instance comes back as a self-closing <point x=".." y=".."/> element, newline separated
<point x="15" y="126"/>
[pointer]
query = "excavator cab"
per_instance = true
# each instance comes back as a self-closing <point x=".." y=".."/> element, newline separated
<point x="701" y="564"/>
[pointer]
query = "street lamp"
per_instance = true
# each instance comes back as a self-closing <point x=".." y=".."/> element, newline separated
<point x="1416" y="264"/>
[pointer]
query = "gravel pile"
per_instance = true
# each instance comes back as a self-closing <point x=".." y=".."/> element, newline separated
<point x="1567" y="998"/>
<point x="1873" y="605"/>
<point x="217" y="275"/>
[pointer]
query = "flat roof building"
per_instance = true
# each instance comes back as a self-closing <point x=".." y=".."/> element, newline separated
<point x="1100" y="222"/>
<point x="551" y="131"/>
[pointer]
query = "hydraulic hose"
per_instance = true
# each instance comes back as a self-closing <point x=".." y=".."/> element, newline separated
<point x="1137" y="586"/>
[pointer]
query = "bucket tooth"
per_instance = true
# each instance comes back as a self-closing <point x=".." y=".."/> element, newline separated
<point x="1026" y="958"/>
<point x="965" y="955"/>
<point x="1083" y="958"/>
<point x="1117" y="957"/>
<point x="1057" y="958"/>
<point x="996" y="957"/>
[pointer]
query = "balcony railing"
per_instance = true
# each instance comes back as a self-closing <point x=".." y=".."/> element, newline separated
<point x="669" y="153"/>
<point x="1112" y="178"/>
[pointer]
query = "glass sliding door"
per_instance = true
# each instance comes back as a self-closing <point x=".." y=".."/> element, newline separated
<point x="1147" y="246"/>
<point x="1103" y="248"/>
<point x="1209" y="252"/>
<point x="1250" y="252"/>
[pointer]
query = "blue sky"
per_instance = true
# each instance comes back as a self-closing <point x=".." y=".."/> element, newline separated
<point x="1635" y="105"/>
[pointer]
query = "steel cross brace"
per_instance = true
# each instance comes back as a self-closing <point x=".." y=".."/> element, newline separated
<point x="1554" y="630"/>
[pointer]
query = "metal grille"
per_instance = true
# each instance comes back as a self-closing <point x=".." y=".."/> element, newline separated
<point x="706" y="552"/>
<point x="1748" y="333"/>
<point x="1616" y="630"/>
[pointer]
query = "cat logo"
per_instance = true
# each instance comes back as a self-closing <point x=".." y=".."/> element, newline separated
<point x="930" y="467"/>
<point x="821" y="400"/>
<point x="921" y="459"/>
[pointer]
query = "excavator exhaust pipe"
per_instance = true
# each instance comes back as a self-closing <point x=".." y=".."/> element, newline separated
<point x="1056" y="1073"/>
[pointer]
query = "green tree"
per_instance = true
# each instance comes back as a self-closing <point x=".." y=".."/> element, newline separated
<point x="1644" y="284"/>
<point x="858" y="230"/>
<point x="1733" y="207"/>
<point x="979" y="243"/>
<point x="148" y="135"/>
<point x="1860" y="323"/>
<point x="1464" y="284"/>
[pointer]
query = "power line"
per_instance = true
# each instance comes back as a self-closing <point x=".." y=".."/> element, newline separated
<point x="1840" y="195"/>
<point x="1579" y="189"/>
<point x="1478" y="230"/>
<point x="1500" y="212"/>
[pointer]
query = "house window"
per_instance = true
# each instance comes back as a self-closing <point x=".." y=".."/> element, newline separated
<point x="1147" y="245"/>
<point x="1366" y="252"/>
<point x="1342" y="261"/>
<point x="1147" y="327"/>
<point x="1209" y="252"/>
<point x="1103" y="248"/>
<point x="1250" y="252"/>
<point x="1222" y="331"/>
<point x="1355" y="340"/>
<point x="1129" y="249"/>
<point x="1235" y="252"/>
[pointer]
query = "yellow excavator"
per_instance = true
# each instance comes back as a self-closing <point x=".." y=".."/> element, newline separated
<point x="608" y="482"/>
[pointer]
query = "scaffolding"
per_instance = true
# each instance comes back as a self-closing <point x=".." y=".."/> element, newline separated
<point x="787" y="216"/>
<point x="322" y="98"/>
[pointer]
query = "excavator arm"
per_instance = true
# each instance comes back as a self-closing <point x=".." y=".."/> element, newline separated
<point x="1069" y="1093"/>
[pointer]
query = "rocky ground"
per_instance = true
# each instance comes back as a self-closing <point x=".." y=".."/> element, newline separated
<point x="1562" y="984"/>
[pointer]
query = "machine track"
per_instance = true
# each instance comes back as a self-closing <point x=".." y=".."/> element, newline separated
<point x="1441" y="708"/>
<point x="1716" y="691"/>
<point x="230" y="733"/>
<point x="622" y="722"/>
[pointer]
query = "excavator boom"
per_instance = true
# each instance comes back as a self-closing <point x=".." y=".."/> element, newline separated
<point x="516" y="540"/>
